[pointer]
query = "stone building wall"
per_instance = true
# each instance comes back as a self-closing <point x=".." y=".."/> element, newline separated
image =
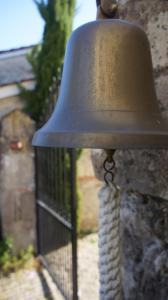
<point x="143" y="175"/>
<point x="17" y="180"/>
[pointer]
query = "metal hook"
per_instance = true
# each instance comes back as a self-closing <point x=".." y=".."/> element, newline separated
<point x="109" y="165"/>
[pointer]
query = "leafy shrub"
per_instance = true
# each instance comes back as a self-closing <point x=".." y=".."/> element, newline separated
<point x="10" y="262"/>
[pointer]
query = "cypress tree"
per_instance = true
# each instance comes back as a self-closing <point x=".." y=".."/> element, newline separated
<point x="46" y="59"/>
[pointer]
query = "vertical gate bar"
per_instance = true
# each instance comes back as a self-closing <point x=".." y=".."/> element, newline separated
<point x="58" y="210"/>
<point x="36" y="199"/>
<point x="69" y="287"/>
<point x="63" y="177"/>
<point x="49" y="177"/>
<point x="62" y="259"/>
<point x="66" y="180"/>
<point x="54" y="178"/>
<point x="74" y="223"/>
<point x="60" y="180"/>
<point x="56" y="181"/>
<point x="62" y="200"/>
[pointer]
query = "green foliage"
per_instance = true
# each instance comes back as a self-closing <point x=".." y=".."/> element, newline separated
<point x="47" y="59"/>
<point x="10" y="262"/>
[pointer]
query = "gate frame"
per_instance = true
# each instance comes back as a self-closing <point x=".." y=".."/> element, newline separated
<point x="73" y="204"/>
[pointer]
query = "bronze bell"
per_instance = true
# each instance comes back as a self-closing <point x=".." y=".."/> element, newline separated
<point x="107" y="97"/>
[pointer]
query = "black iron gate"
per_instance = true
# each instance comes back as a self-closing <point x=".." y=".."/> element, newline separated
<point x="56" y="216"/>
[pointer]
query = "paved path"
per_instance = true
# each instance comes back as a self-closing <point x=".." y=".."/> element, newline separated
<point x="29" y="284"/>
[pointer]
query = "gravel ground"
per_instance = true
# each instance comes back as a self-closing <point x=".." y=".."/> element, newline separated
<point x="30" y="284"/>
<point x="88" y="268"/>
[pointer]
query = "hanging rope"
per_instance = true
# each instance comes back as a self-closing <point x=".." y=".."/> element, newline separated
<point x="109" y="238"/>
<point x="109" y="213"/>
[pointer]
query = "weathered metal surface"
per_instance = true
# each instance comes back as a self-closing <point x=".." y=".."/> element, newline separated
<point x="107" y="96"/>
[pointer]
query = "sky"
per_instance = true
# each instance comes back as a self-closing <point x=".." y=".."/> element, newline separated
<point x="21" y="24"/>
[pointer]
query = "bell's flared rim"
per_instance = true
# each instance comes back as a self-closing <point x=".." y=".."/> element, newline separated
<point x="101" y="140"/>
<point x="137" y="130"/>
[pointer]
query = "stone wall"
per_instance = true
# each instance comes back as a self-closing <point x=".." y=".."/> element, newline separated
<point x="143" y="175"/>
<point x="17" y="180"/>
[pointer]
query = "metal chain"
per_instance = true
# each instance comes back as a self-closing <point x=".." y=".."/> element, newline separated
<point x="108" y="167"/>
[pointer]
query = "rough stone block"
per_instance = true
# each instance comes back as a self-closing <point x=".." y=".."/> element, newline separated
<point x="17" y="180"/>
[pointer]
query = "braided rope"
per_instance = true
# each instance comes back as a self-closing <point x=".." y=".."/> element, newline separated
<point x="109" y="244"/>
<point x="109" y="213"/>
